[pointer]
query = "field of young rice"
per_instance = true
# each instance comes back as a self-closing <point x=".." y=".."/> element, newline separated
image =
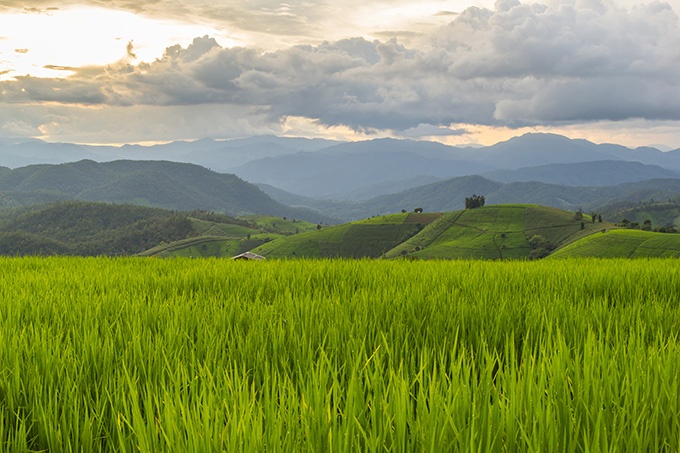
<point x="211" y="355"/>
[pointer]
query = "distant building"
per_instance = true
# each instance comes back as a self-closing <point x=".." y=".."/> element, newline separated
<point x="248" y="256"/>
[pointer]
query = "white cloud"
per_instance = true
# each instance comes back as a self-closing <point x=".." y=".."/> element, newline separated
<point x="514" y="65"/>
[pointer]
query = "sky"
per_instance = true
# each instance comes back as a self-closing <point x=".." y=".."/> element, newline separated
<point x="458" y="71"/>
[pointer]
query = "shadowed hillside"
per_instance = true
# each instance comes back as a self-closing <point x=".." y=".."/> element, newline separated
<point x="88" y="229"/>
<point x="161" y="184"/>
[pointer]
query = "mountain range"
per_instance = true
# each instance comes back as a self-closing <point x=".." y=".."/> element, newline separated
<point x="218" y="155"/>
<point x="327" y="181"/>
<point x="357" y="171"/>
<point x="363" y="170"/>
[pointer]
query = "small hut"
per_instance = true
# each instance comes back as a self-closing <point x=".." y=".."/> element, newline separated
<point x="248" y="256"/>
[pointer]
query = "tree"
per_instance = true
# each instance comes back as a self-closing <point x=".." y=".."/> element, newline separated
<point x="418" y="210"/>
<point x="540" y="247"/>
<point x="475" y="201"/>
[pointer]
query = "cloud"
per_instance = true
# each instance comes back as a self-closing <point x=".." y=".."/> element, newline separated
<point x="515" y="65"/>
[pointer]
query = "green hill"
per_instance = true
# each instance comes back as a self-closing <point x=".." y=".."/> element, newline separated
<point x="223" y="240"/>
<point x="168" y="185"/>
<point x="369" y="238"/>
<point x="491" y="232"/>
<point x="86" y="228"/>
<point x="660" y="213"/>
<point x="623" y="244"/>
<point x="495" y="232"/>
<point x="281" y="224"/>
<point x="80" y="228"/>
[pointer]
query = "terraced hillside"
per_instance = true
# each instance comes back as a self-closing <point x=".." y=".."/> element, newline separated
<point x="370" y="238"/>
<point x="292" y="226"/>
<point x="496" y="232"/>
<point x="623" y="244"/>
<point x="491" y="232"/>
<point x="224" y="240"/>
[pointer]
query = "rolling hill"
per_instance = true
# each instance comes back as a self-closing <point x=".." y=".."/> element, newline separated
<point x="369" y="238"/>
<point x="162" y="184"/>
<point x="87" y="229"/>
<point x="496" y="232"/>
<point x="79" y="228"/>
<point x="623" y="244"/>
<point x="490" y="232"/>
<point x="662" y="213"/>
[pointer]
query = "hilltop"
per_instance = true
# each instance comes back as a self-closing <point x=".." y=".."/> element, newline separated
<point x="490" y="232"/>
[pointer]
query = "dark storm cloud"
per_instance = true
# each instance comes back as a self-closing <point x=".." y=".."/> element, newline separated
<point x="516" y="65"/>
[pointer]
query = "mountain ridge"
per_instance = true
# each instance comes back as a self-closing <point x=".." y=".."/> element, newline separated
<point x="169" y="185"/>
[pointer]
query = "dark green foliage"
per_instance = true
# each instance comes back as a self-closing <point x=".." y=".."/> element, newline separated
<point x="20" y="244"/>
<point x="540" y="247"/>
<point x="475" y="201"/>
<point x="167" y="185"/>
<point x="88" y="229"/>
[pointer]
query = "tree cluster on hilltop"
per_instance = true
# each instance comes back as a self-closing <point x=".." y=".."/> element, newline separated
<point x="475" y="201"/>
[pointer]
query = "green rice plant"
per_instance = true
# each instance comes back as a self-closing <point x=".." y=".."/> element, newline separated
<point x="152" y="355"/>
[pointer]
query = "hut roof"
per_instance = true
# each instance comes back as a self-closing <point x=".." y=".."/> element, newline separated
<point x="248" y="256"/>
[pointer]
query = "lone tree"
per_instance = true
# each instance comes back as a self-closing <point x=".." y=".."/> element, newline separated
<point x="475" y="201"/>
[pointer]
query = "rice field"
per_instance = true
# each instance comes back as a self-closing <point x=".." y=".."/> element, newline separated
<point x="178" y="355"/>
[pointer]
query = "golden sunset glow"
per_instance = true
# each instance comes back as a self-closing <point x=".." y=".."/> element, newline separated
<point x="85" y="36"/>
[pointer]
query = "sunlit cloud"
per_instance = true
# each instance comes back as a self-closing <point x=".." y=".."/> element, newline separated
<point x="453" y="71"/>
<point x="75" y="37"/>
